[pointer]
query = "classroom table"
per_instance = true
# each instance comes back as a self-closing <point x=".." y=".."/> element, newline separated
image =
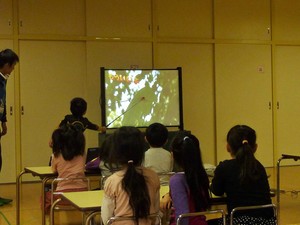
<point x="45" y="174"/>
<point x="88" y="202"/>
<point x="164" y="189"/>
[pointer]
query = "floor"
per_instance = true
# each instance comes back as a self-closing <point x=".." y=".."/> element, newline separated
<point x="31" y="213"/>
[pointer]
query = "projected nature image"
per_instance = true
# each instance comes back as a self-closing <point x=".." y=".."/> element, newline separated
<point x="141" y="97"/>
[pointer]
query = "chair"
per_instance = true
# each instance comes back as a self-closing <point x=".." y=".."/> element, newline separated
<point x="204" y="213"/>
<point x="156" y="219"/>
<point x="256" y="207"/>
<point x="56" y="202"/>
<point x="284" y="156"/>
<point x="90" y="216"/>
<point x="57" y="193"/>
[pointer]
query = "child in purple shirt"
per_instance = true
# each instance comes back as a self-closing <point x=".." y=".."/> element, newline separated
<point x="188" y="189"/>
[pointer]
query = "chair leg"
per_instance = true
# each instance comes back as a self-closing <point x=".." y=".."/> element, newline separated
<point x="89" y="220"/>
<point x="52" y="209"/>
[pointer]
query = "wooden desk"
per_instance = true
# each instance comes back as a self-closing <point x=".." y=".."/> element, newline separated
<point x="90" y="201"/>
<point x="85" y="201"/>
<point x="217" y="200"/>
<point x="45" y="174"/>
<point x="164" y="189"/>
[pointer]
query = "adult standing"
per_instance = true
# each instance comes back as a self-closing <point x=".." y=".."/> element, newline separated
<point x="8" y="60"/>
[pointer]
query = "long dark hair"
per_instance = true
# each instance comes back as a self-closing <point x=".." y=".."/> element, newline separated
<point x="242" y="142"/>
<point x="127" y="149"/>
<point x="187" y="154"/>
<point x="68" y="141"/>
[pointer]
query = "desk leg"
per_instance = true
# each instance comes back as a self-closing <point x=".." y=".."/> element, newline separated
<point x="18" y="198"/>
<point x="44" y="182"/>
<point x="91" y="216"/>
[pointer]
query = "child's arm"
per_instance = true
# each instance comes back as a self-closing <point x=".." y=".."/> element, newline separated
<point x="102" y="129"/>
<point x="93" y="126"/>
<point x="165" y="202"/>
<point x="107" y="208"/>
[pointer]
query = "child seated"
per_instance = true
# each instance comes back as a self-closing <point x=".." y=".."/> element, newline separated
<point x="132" y="191"/>
<point x="189" y="188"/>
<point x="156" y="157"/>
<point x="243" y="178"/>
<point x="68" y="160"/>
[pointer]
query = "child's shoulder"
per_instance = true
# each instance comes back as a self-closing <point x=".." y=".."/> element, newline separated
<point x="158" y="150"/>
<point x="69" y="118"/>
<point x="177" y="177"/>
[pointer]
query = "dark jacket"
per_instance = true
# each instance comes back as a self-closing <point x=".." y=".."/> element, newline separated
<point x="2" y="99"/>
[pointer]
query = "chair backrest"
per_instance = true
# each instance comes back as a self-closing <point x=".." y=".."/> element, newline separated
<point x="219" y="212"/>
<point x="155" y="218"/>
<point x="256" y="207"/>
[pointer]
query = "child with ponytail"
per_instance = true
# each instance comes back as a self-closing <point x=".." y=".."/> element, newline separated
<point x="132" y="191"/>
<point x="243" y="178"/>
<point x="189" y="188"/>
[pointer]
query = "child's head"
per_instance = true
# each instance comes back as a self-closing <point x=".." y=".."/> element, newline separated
<point x="186" y="149"/>
<point x="156" y="135"/>
<point x="68" y="141"/>
<point x="241" y="143"/>
<point x="187" y="154"/>
<point x="78" y="107"/>
<point x="239" y="137"/>
<point x="127" y="143"/>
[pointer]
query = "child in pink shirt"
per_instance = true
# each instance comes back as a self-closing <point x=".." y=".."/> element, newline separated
<point x="134" y="189"/>
<point x="68" y="160"/>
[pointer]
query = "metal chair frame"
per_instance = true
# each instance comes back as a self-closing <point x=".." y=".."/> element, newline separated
<point x="55" y="206"/>
<point x="56" y="180"/>
<point x="242" y="208"/>
<point x="208" y="212"/>
<point x="155" y="217"/>
<point x="283" y="156"/>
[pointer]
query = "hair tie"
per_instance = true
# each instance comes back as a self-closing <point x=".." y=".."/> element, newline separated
<point x="245" y="142"/>
<point x="186" y="137"/>
<point x="130" y="161"/>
